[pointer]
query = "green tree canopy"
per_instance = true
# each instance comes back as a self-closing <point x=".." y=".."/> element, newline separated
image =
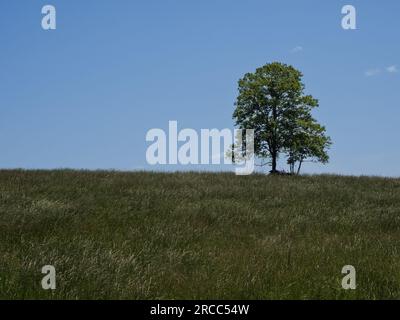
<point x="272" y="102"/>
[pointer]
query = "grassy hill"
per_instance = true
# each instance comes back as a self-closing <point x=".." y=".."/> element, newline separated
<point x="197" y="235"/>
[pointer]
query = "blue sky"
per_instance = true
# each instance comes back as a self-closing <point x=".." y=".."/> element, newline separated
<point x="84" y="95"/>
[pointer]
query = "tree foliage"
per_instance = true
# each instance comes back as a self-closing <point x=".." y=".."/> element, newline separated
<point x="272" y="102"/>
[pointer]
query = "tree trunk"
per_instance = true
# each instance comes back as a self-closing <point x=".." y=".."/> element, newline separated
<point x="299" y="168"/>
<point x="273" y="155"/>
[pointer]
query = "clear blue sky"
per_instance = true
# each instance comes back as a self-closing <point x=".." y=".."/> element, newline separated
<point x="84" y="95"/>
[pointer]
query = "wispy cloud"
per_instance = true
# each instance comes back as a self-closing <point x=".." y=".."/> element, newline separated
<point x="372" y="72"/>
<point x="297" y="49"/>
<point x="392" y="69"/>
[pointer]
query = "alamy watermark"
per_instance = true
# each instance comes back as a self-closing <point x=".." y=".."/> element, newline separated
<point x="348" y="20"/>
<point x="349" y="280"/>
<point x="49" y="20"/>
<point x="184" y="147"/>
<point x="49" y="280"/>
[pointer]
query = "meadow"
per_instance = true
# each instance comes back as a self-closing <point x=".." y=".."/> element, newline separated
<point x="147" y="235"/>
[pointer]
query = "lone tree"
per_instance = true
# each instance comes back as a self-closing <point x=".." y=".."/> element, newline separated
<point x="272" y="102"/>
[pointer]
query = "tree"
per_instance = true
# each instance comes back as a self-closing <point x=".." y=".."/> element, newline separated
<point x="272" y="102"/>
<point x="308" y="143"/>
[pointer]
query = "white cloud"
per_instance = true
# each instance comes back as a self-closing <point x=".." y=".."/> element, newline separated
<point x="372" y="72"/>
<point x="392" y="69"/>
<point x="297" y="49"/>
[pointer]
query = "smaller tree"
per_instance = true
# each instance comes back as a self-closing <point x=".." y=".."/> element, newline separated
<point x="308" y="143"/>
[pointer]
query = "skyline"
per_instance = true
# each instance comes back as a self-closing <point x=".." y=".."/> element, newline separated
<point x="84" y="95"/>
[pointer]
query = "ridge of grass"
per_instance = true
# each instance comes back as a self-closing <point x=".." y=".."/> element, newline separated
<point x="148" y="235"/>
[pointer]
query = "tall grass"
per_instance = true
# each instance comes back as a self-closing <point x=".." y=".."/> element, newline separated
<point x="113" y="235"/>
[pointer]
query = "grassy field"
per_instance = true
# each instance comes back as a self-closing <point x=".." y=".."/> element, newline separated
<point x="114" y="235"/>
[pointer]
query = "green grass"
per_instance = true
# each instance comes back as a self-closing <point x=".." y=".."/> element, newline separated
<point x="114" y="235"/>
